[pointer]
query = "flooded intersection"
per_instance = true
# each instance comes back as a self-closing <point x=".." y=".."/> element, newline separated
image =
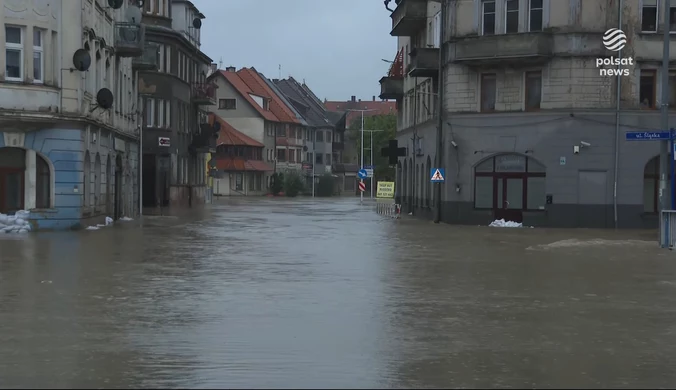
<point x="296" y="293"/>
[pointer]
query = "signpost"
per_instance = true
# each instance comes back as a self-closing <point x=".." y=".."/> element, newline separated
<point x="437" y="175"/>
<point x="362" y="186"/>
<point x="659" y="136"/>
<point x="385" y="189"/>
<point x="362" y="174"/>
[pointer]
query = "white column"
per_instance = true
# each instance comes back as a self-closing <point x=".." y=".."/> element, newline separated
<point x="30" y="180"/>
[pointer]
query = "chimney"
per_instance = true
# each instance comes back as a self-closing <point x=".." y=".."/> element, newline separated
<point x="374" y="98"/>
<point x="354" y="98"/>
<point x="360" y="100"/>
<point x="230" y="69"/>
<point x="214" y="67"/>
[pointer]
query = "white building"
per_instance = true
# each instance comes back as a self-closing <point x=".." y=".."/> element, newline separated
<point x="69" y="140"/>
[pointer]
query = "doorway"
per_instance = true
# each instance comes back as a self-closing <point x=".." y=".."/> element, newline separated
<point x="11" y="190"/>
<point x="118" y="188"/>
<point x="149" y="181"/>
<point x="509" y="198"/>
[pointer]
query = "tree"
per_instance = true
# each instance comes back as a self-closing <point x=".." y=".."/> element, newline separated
<point x="277" y="184"/>
<point x="325" y="185"/>
<point x="293" y="183"/>
<point x="388" y="123"/>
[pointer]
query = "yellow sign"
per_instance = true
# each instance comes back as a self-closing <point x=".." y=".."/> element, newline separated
<point x="385" y="189"/>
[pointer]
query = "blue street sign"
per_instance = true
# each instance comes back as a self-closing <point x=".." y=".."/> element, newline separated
<point x="362" y="174"/>
<point x="437" y="175"/>
<point x="647" y="135"/>
<point x="369" y="166"/>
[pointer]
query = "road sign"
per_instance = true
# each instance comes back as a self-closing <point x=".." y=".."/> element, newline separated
<point x="367" y="167"/>
<point x="647" y="135"/>
<point x="362" y="186"/>
<point x="164" y="141"/>
<point x="369" y="172"/>
<point x="437" y="175"/>
<point x="362" y="174"/>
<point x="385" y="189"/>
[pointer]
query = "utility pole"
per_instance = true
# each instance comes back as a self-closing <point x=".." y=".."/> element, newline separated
<point x="314" y="159"/>
<point x="440" y="125"/>
<point x="415" y="141"/>
<point x="361" y="193"/>
<point x="373" y="166"/>
<point x="664" y="144"/>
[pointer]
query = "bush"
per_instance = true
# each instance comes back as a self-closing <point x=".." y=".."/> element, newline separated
<point x="293" y="184"/>
<point x="277" y="183"/>
<point x="325" y="185"/>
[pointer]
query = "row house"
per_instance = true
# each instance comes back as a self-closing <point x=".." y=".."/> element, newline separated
<point x="176" y="96"/>
<point x="536" y="126"/>
<point x="69" y="109"/>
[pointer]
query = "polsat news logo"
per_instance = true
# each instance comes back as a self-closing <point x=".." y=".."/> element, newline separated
<point x="614" y="40"/>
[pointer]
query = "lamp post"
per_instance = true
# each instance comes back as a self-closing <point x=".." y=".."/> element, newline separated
<point x="361" y="166"/>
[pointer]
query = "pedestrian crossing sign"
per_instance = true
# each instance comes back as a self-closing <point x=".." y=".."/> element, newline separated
<point x="437" y="175"/>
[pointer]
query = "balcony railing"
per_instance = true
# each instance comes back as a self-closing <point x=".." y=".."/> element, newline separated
<point x="204" y="140"/>
<point x="204" y="94"/>
<point x="505" y="49"/>
<point x="424" y="62"/>
<point x="149" y="60"/>
<point x="129" y="39"/>
<point x="409" y="17"/>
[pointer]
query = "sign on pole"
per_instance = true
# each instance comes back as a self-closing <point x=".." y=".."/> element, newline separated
<point x="362" y="174"/>
<point x="362" y="186"/>
<point x="437" y="175"/>
<point x="369" y="172"/>
<point x="385" y="189"/>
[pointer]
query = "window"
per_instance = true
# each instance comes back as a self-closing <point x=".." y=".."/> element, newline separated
<point x="533" y="89"/>
<point x="649" y="16"/>
<point x="43" y="183"/>
<point x="488" y="92"/>
<point x="488" y="17"/>
<point x="328" y="159"/>
<point x="251" y="180"/>
<point x="160" y="113"/>
<point x="512" y="17"/>
<point x="299" y="155"/>
<point x="535" y="15"/>
<point x="436" y="38"/>
<point x="672" y="18"/>
<point x="150" y="112"/>
<point x="319" y="136"/>
<point x="281" y="154"/>
<point x="167" y="114"/>
<point x="238" y="181"/>
<point x="319" y="158"/>
<point x="509" y="182"/>
<point x="651" y="185"/>
<point x="647" y="89"/>
<point x="14" y="53"/>
<point x="329" y="136"/>
<point x="161" y="67"/>
<point x="227" y="104"/>
<point x="38" y="57"/>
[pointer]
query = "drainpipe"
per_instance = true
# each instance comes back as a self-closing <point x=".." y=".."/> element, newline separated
<point x="411" y="207"/>
<point x="617" y="122"/>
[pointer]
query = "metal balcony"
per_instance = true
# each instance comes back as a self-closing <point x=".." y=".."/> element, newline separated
<point x="149" y="60"/>
<point x="391" y="88"/>
<point x="129" y="39"/>
<point x="424" y="62"/>
<point x="204" y="141"/>
<point x="204" y="94"/>
<point x="408" y="18"/>
<point x="522" y="49"/>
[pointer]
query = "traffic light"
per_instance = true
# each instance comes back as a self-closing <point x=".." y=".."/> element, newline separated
<point x="393" y="152"/>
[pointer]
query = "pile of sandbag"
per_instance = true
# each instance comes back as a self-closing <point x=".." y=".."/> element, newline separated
<point x="17" y="223"/>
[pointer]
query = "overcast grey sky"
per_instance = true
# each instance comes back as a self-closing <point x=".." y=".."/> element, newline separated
<point x="335" y="45"/>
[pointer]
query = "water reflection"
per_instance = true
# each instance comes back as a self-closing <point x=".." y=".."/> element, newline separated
<point x="280" y="293"/>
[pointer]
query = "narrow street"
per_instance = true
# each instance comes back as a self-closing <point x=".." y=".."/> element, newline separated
<point x="299" y="293"/>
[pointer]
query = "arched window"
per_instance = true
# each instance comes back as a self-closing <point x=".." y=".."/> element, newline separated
<point x="12" y="179"/>
<point x="404" y="182"/>
<point x="429" y="183"/>
<point x="86" y="180"/>
<point x="509" y="184"/>
<point x="109" y="177"/>
<point x="98" y="173"/>
<point x="43" y="183"/>
<point x="651" y="185"/>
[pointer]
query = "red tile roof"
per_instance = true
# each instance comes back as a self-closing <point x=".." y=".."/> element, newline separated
<point x="238" y="164"/>
<point x="244" y="90"/>
<point x="259" y="87"/>
<point x="228" y="135"/>
<point x="379" y="108"/>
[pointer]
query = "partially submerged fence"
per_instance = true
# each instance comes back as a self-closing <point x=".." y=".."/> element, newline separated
<point x="667" y="228"/>
<point x="388" y="209"/>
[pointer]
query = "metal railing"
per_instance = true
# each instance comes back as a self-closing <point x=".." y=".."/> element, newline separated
<point x="392" y="210"/>
<point x="667" y="228"/>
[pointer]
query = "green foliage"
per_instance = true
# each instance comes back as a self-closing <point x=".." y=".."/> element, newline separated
<point x="388" y="123"/>
<point x="325" y="186"/>
<point x="293" y="183"/>
<point x="277" y="183"/>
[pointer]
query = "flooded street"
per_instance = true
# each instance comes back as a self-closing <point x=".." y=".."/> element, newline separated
<point x="300" y="293"/>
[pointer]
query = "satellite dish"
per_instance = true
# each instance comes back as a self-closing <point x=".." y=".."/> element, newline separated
<point x="217" y="126"/>
<point x="115" y="4"/>
<point x="133" y="15"/>
<point x="104" y="98"/>
<point x="82" y="60"/>
<point x="197" y="23"/>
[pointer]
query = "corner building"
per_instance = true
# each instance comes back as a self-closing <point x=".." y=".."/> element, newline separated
<point x="531" y="127"/>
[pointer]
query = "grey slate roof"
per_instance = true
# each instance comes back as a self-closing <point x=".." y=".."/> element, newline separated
<point x="281" y="95"/>
<point x="314" y="114"/>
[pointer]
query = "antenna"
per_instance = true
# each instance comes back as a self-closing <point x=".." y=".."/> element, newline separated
<point x="280" y="71"/>
<point x="220" y="63"/>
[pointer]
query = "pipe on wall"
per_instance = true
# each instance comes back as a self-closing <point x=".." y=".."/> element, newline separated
<point x="617" y="122"/>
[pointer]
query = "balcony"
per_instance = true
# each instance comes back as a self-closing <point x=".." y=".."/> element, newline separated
<point x="391" y="88"/>
<point x="204" y="141"/>
<point x="204" y="94"/>
<point x="149" y="60"/>
<point x="408" y="18"/>
<point x="129" y="39"/>
<point x="521" y="49"/>
<point x="424" y="62"/>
